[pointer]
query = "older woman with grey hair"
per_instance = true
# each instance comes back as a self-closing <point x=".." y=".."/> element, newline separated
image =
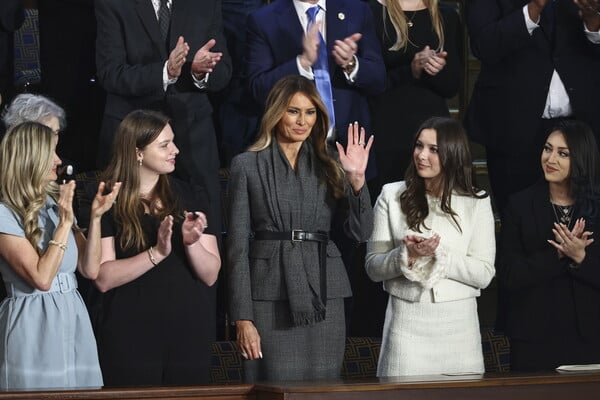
<point x="34" y="107"/>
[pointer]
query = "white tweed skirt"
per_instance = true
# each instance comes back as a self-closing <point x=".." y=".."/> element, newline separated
<point x="427" y="338"/>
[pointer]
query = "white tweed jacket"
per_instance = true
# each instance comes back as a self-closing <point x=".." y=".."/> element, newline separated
<point x="463" y="263"/>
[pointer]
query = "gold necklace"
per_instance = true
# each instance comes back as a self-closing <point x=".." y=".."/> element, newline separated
<point x="409" y="23"/>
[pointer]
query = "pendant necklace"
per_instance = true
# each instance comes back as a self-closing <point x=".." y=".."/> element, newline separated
<point x="409" y="23"/>
<point x="563" y="214"/>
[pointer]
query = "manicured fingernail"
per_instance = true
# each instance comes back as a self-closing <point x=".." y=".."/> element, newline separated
<point x="245" y="355"/>
<point x="260" y="354"/>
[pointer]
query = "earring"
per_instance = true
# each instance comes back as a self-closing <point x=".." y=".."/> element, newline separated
<point x="140" y="162"/>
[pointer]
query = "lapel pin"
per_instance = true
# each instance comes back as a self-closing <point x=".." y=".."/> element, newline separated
<point x="341" y="16"/>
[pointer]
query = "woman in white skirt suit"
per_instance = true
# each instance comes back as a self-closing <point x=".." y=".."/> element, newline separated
<point x="433" y="247"/>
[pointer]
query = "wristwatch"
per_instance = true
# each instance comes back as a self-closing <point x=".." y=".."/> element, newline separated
<point x="348" y="68"/>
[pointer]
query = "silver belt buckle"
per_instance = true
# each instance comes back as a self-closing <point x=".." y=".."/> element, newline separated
<point x="297" y="235"/>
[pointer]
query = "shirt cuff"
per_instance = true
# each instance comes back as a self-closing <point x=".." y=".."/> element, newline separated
<point x="166" y="80"/>
<point x="528" y="22"/>
<point x="303" y="72"/>
<point x="593" y="37"/>
<point x="352" y="76"/>
<point x="201" y="83"/>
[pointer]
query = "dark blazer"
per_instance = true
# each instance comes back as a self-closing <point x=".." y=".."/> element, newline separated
<point x="254" y="266"/>
<point x="516" y="68"/>
<point x="274" y="40"/>
<point x="130" y="56"/>
<point x="542" y="290"/>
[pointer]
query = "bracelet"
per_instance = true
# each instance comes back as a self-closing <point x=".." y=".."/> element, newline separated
<point x="151" y="255"/>
<point x="60" y="245"/>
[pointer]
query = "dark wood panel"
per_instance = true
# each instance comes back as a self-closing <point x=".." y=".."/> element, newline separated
<point x="233" y="392"/>
<point x="549" y="386"/>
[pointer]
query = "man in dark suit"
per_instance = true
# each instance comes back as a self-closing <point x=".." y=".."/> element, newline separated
<point x="171" y="70"/>
<point x="278" y="46"/>
<point x="540" y="62"/>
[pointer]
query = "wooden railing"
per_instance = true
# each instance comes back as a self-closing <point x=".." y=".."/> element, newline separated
<point x="547" y="386"/>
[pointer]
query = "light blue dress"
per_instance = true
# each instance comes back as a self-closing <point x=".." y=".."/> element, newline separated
<point x="46" y="337"/>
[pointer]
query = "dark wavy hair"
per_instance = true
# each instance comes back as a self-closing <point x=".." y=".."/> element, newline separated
<point x="456" y="170"/>
<point x="585" y="167"/>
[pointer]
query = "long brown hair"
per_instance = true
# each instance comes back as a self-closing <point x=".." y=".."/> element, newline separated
<point x="26" y="158"/>
<point x="456" y="173"/>
<point x="277" y="103"/>
<point x="136" y="131"/>
<point x="400" y="22"/>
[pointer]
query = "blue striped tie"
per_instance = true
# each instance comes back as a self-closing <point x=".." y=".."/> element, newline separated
<point x="321" y="69"/>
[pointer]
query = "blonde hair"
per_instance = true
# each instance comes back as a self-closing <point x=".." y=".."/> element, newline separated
<point x="399" y="21"/>
<point x="26" y="157"/>
<point x="137" y="130"/>
<point x="278" y="101"/>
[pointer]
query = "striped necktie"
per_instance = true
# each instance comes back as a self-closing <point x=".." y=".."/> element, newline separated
<point x="321" y="69"/>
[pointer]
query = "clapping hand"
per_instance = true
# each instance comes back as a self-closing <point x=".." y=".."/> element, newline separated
<point x="103" y="202"/>
<point x="571" y="243"/>
<point x="163" y="241"/>
<point x="418" y="246"/>
<point x="356" y="156"/>
<point x="345" y="50"/>
<point x="310" y="46"/>
<point x="205" y="60"/>
<point x="65" y="203"/>
<point x="177" y="58"/>
<point x="429" y="61"/>
<point x="193" y="227"/>
<point x="589" y="11"/>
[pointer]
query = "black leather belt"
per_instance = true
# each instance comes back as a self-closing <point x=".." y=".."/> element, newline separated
<point x="298" y="235"/>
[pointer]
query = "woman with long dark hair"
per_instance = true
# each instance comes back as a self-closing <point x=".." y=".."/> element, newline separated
<point x="159" y="263"/>
<point x="549" y="263"/>
<point x="433" y="247"/>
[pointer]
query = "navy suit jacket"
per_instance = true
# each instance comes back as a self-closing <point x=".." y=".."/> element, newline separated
<point x="516" y="68"/>
<point x="274" y="40"/>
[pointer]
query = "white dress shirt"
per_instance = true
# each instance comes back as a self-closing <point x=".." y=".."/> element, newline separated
<point x="557" y="102"/>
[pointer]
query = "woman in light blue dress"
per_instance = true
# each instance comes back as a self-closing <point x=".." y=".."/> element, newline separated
<point x="46" y="339"/>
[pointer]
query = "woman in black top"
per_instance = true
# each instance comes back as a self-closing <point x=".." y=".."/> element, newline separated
<point x="549" y="262"/>
<point x="420" y="45"/>
<point x="159" y="261"/>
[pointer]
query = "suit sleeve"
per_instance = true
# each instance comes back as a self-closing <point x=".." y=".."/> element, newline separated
<point x="495" y="36"/>
<point x="476" y="268"/>
<point x="262" y="72"/>
<point x="114" y="72"/>
<point x="238" y="266"/>
<point x="359" y="222"/>
<point x="589" y="271"/>
<point x="221" y="74"/>
<point x="371" y="74"/>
